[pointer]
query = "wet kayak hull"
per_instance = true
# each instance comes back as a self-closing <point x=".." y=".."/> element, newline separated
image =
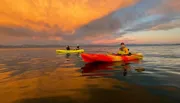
<point x="88" y="58"/>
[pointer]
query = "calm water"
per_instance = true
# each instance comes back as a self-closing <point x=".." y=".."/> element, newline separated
<point x="40" y="76"/>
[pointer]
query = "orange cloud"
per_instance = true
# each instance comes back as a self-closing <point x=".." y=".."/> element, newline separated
<point x="48" y="15"/>
<point x="174" y="5"/>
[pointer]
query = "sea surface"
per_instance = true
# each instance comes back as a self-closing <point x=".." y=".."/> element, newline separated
<point x="38" y="75"/>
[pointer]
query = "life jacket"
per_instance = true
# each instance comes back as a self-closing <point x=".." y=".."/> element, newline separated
<point x="123" y="51"/>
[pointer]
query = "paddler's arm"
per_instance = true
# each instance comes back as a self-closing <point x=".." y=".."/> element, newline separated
<point x="126" y="51"/>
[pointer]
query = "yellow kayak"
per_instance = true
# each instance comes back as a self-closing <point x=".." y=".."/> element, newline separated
<point x="69" y="51"/>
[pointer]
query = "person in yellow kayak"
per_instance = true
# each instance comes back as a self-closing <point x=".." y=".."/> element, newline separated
<point x="123" y="50"/>
<point x="68" y="48"/>
<point x="77" y="48"/>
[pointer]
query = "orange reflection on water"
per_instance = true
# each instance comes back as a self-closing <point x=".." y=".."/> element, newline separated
<point x="67" y="85"/>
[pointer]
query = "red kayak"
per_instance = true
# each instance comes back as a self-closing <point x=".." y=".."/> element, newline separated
<point x="88" y="58"/>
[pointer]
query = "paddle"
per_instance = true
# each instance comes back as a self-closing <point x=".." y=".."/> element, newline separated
<point x="109" y="53"/>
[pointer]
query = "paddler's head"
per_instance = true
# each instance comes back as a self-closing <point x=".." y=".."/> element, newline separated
<point x="77" y="45"/>
<point x="122" y="45"/>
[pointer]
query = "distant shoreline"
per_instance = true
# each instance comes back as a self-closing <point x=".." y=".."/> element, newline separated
<point x="54" y="46"/>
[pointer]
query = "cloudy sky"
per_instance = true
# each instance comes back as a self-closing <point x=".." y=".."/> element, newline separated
<point x="89" y="21"/>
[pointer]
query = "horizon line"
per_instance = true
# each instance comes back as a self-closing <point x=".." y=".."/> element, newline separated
<point x="54" y="45"/>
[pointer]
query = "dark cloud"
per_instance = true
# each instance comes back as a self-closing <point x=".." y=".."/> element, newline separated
<point x="118" y="20"/>
<point x="132" y="19"/>
<point x="18" y="31"/>
<point x="141" y="18"/>
<point x="167" y="26"/>
<point x="107" y="24"/>
<point x="146" y="26"/>
<point x="101" y="27"/>
<point x="26" y="32"/>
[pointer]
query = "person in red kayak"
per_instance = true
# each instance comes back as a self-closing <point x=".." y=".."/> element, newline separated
<point x="123" y="50"/>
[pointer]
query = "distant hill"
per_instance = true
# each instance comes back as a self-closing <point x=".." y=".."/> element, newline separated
<point x="152" y="44"/>
<point x="90" y="45"/>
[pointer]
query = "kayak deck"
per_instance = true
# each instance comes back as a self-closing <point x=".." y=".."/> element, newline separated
<point x="109" y="57"/>
<point x="70" y="51"/>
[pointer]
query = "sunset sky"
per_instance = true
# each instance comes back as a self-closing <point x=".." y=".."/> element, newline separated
<point x="89" y="21"/>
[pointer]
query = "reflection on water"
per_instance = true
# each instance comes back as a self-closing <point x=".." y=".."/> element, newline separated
<point x="41" y="76"/>
<point x="68" y="55"/>
<point x="98" y="68"/>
